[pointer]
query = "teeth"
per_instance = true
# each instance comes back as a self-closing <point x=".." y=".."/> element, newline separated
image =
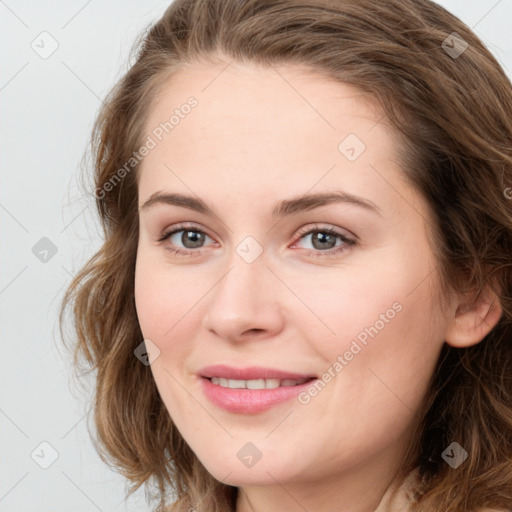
<point x="255" y="383"/>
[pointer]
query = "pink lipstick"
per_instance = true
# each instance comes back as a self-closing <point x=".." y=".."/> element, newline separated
<point x="253" y="389"/>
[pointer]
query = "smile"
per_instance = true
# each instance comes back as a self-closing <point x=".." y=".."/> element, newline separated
<point x="256" y="383"/>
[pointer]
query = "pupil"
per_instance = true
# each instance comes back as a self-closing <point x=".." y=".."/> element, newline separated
<point x="323" y="238"/>
<point x="192" y="239"/>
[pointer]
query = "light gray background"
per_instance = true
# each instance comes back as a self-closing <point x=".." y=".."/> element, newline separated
<point x="47" y="110"/>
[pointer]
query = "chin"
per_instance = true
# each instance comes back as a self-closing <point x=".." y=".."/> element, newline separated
<point x="236" y="474"/>
<point x="247" y="477"/>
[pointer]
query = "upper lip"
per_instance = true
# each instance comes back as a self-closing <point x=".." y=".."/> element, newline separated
<point x="249" y="373"/>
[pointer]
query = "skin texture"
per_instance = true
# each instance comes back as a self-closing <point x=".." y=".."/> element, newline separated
<point x="258" y="136"/>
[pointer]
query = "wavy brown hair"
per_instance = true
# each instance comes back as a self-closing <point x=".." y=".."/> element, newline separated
<point x="452" y="115"/>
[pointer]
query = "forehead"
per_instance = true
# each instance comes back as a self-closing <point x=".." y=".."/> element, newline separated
<point x="264" y="125"/>
<point x="238" y="92"/>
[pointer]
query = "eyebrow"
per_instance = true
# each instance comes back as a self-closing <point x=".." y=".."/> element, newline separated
<point x="285" y="208"/>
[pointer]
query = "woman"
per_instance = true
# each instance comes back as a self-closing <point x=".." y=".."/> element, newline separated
<point x="303" y="297"/>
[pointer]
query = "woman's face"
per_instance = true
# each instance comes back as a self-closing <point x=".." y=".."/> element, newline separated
<point x="303" y="254"/>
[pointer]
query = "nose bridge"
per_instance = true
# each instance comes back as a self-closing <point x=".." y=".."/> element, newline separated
<point x="242" y="299"/>
<point x="242" y="284"/>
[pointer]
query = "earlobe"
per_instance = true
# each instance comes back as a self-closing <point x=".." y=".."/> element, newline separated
<point x="471" y="323"/>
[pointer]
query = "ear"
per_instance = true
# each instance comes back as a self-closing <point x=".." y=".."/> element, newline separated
<point x="471" y="323"/>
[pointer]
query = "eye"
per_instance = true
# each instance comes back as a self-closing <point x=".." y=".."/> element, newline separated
<point x="324" y="240"/>
<point x="190" y="237"/>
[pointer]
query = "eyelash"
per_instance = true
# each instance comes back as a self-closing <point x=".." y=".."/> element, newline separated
<point x="347" y="242"/>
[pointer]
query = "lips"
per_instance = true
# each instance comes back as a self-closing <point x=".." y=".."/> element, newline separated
<point x="251" y="390"/>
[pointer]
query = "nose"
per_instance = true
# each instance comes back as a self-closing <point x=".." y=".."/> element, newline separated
<point x="246" y="303"/>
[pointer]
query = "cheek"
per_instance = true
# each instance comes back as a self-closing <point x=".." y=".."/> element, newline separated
<point x="164" y="313"/>
<point x="384" y="324"/>
<point x="352" y="304"/>
<point x="162" y="297"/>
<point x="149" y="301"/>
<point x="388" y="355"/>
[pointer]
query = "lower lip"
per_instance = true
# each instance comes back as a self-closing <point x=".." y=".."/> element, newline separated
<point x="250" y="401"/>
